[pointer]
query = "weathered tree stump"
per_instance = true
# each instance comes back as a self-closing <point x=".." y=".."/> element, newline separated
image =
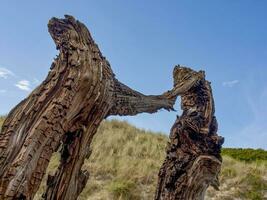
<point x="193" y="158"/>
<point x="65" y="110"/>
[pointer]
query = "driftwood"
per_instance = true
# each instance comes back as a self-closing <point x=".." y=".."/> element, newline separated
<point x="193" y="158"/>
<point x="65" y="112"/>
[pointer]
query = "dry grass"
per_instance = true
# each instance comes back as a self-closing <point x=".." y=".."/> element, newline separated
<point x="240" y="180"/>
<point x="125" y="162"/>
<point x="1" y="121"/>
<point x="128" y="159"/>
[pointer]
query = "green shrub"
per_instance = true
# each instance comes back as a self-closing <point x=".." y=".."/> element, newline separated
<point x="247" y="155"/>
<point x="123" y="190"/>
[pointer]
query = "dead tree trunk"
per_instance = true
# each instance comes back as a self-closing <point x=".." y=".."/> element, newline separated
<point x="193" y="158"/>
<point x="67" y="108"/>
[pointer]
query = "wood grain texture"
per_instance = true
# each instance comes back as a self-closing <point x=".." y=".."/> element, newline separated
<point x="64" y="111"/>
<point x="193" y="158"/>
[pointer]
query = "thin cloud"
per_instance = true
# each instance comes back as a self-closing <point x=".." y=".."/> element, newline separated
<point x="230" y="83"/>
<point x="35" y="81"/>
<point x="2" y="91"/>
<point x="23" y="85"/>
<point x="5" y="73"/>
<point x="254" y="134"/>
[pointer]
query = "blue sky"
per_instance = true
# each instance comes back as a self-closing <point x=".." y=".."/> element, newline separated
<point x="143" y="40"/>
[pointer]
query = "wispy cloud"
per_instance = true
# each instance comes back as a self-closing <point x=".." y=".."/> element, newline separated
<point x="2" y="91"/>
<point x="23" y="85"/>
<point x="5" y="73"/>
<point x="35" y="81"/>
<point x="254" y="134"/>
<point x="230" y="83"/>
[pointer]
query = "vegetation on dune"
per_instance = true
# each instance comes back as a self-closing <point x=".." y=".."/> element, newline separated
<point x="241" y="180"/>
<point x="127" y="159"/>
<point x="248" y="155"/>
<point x="125" y="162"/>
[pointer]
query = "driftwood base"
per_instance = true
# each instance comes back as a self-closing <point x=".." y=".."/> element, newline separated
<point x="193" y="158"/>
<point x="192" y="164"/>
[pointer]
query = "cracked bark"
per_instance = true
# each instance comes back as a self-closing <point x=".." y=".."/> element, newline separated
<point x="67" y="108"/>
<point x="193" y="158"/>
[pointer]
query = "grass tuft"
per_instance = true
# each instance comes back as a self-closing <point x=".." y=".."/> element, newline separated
<point x="123" y="189"/>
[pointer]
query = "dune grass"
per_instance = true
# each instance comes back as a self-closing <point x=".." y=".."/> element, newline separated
<point x="125" y="162"/>
<point x="2" y="118"/>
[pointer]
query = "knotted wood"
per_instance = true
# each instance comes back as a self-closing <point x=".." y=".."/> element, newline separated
<point x="193" y="158"/>
<point x="65" y="110"/>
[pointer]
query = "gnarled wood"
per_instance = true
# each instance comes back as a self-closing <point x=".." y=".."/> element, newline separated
<point x="193" y="158"/>
<point x="67" y="108"/>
